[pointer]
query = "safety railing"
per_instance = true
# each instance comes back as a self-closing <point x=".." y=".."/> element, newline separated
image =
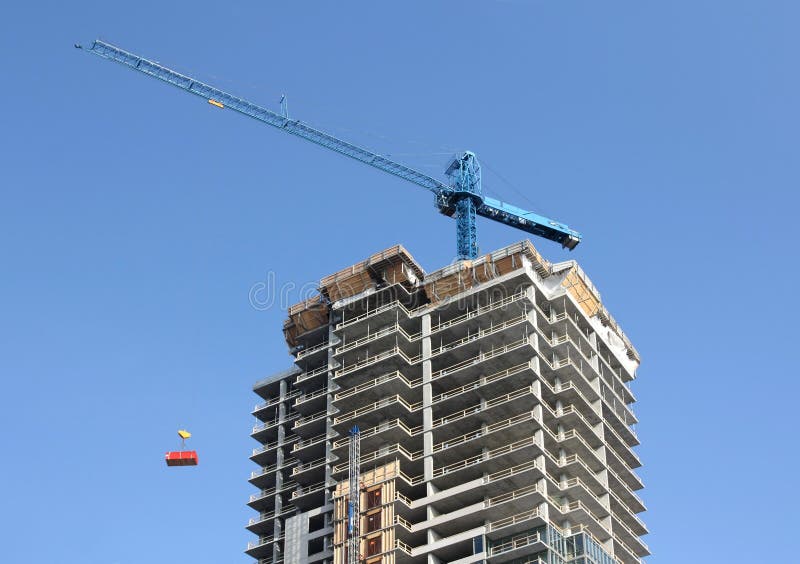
<point x="491" y="306"/>
<point x="473" y="460"/>
<point x="269" y="424"/>
<point x="512" y="495"/>
<point x="347" y="369"/>
<point x="310" y="441"/>
<point x="373" y="312"/>
<point x="276" y="401"/>
<point x="369" y="408"/>
<point x="482" y="357"/>
<point x="302" y="398"/>
<point x="394" y="375"/>
<point x="308" y="375"/>
<point x="311" y="350"/>
<point x="493" y="428"/>
<point x="274" y="444"/>
<point x="517" y="542"/>
<point x="479" y="335"/>
<point x="313" y="488"/>
<point x="392" y="329"/>
<point x="310" y="418"/>
<point x="380" y="428"/>
<point x="309" y="465"/>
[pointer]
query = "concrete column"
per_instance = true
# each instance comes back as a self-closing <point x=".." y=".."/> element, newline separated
<point x="536" y="389"/>
<point x="427" y="399"/>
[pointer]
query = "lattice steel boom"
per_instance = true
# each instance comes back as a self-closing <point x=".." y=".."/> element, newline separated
<point x="462" y="197"/>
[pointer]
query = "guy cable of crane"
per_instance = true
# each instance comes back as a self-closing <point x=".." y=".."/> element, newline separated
<point x="462" y="198"/>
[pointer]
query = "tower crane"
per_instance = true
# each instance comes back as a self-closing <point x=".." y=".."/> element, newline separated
<point x="461" y="196"/>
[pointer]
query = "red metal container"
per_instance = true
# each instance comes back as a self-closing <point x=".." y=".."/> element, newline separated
<point x="182" y="458"/>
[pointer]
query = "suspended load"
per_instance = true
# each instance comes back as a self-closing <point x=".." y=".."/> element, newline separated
<point x="182" y="457"/>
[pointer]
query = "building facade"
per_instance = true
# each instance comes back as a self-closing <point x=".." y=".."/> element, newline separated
<point x="494" y="408"/>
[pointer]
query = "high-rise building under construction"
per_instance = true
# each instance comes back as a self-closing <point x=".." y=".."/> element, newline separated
<point x="493" y="402"/>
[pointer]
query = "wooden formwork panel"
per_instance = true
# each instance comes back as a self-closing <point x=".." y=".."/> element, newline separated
<point x="348" y="283"/>
<point x="484" y="270"/>
<point x="453" y="280"/>
<point x="394" y="265"/>
<point x="303" y="317"/>
<point x="579" y="290"/>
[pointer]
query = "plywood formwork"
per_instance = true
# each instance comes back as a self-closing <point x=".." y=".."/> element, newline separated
<point x="578" y="286"/>
<point x="305" y="316"/>
<point x="394" y="265"/>
<point x="377" y="491"/>
<point x="466" y="274"/>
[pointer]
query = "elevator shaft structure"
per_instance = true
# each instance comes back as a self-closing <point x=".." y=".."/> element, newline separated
<point x="354" y="503"/>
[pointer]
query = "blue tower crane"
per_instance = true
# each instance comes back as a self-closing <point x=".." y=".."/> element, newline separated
<point x="462" y="197"/>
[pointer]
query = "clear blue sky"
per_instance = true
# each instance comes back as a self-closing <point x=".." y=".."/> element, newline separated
<point x="135" y="219"/>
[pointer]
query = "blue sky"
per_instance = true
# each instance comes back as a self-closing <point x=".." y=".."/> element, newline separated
<point x="135" y="219"/>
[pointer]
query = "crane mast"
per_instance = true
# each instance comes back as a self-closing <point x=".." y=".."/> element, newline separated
<point x="461" y="198"/>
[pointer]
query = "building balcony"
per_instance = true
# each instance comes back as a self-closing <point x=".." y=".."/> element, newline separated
<point x="310" y="496"/>
<point x="492" y="508"/>
<point x="371" y="366"/>
<point x="377" y="339"/>
<point x="266" y="410"/>
<point x="629" y="537"/>
<point x="620" y="447"/>
<point x="311" y="447"/>
<point x="264" y="522"/>
<point x="311" y="402"/>
<point x="389" y="384"/>
<point x="569" y="417"/>
<point x="479" y="339"/>
<point x="267" y="453"/>
<point x="622" y="490"/>
<point x="314" y="379"/>
<point x="315" y="352"/>
<point x="468" y="493"/>
<point x="579" y="513"/>
<point x="502" y="357"/>
<point x="265" y="477"/>
<point x="310" y="425"/>
<point x="310" y="472"/>
<point x="571" y="441"/>
<point x="492" y="436"/>
<point x="473" y="467"/>
<point x="385" y="432"/>
<point x="260" y="429"/>
<point x="621" y="469"/>
<point x="391" y="407"/>
<point x="625" y="514"/>
<point x="263" y="547"/>
<point x="447" y="326"/>
<point x="589" y="496"/>
<point x="623" y="551"/>
<point x="379" y="316"/>
<point x="412" y="461"/>
<point x="518" y="546"/>
<point x="473" y="391"/>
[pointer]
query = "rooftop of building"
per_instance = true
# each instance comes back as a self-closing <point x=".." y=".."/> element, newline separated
<point x="396" y="265"/>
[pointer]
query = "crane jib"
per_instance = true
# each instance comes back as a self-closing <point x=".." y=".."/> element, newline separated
<point x="463" y="198"/>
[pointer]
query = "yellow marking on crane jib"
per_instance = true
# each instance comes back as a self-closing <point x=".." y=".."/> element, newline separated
<point x="215" y="103"/>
